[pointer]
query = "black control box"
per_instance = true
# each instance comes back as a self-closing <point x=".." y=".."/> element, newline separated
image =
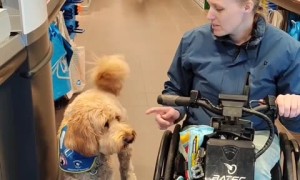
<point x="229" y="159"/>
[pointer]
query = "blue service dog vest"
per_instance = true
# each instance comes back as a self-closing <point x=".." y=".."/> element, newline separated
<point x="71" y="161"/>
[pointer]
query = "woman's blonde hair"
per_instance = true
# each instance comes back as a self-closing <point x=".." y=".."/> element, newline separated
<point x="259" y="8"/>
<point x="259" y="5"/>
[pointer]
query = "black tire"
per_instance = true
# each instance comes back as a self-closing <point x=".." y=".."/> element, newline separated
<point x="286" y="148"/>
<point x="162" y="155"/>
<point x="173" y="150"/>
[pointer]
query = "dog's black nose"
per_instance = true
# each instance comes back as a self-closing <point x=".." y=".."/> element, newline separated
<point x="128" y="140"/>
<point x="130" y="137"/>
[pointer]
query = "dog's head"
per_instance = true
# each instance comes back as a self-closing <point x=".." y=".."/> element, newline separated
<point x="97" y="124"/>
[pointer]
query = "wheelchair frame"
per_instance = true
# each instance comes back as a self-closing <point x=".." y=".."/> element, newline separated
<point x="168" y="150"/>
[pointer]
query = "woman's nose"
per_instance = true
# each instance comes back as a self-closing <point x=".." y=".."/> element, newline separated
<point x="210" y="15"/>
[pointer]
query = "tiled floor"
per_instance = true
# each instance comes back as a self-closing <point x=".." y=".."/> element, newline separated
<point x="147" y="33"/>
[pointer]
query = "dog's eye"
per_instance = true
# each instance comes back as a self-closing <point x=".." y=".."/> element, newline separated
<point x="106" y="124"/>
<point x="118" y="118"/>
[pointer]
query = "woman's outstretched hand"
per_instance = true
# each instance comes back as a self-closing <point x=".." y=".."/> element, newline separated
<point x="164" y="116"/>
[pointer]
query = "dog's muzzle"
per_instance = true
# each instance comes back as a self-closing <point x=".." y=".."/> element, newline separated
<point x="129" y="138"/>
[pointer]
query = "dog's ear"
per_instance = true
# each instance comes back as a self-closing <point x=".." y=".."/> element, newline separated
<point x="81" y="138"/>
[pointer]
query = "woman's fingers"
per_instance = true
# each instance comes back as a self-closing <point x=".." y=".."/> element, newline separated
<point x="157" y="110"/>
<point x="162" y="121"/>
<point x="288" y="105"/>
<point x="164" y="116"/>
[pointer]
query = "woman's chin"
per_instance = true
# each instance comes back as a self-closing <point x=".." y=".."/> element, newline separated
<point x="218" y="33"/>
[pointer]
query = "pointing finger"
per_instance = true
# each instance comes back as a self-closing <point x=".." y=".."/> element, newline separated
<point x="157" y="110"/>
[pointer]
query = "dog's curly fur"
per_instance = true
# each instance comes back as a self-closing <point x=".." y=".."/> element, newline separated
<point x="96" y="122"/>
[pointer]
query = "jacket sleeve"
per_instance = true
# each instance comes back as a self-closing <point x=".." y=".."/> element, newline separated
<point x="180" y="75"/>
<point x="289" y="83"/>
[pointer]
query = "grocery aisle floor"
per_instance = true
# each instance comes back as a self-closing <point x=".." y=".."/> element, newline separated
<point x="147" y="34"/>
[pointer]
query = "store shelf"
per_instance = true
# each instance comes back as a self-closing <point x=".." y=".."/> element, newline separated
<point x="290" y="5"/>
<point x="53" y="8"/>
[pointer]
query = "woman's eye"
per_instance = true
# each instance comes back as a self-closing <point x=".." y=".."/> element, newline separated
<point x="106" y="125"/>
<point x="118" y="118"/>
<point x="219" y="9"/>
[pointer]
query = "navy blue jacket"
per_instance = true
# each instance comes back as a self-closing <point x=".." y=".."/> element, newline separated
<point x="216" y="65"/>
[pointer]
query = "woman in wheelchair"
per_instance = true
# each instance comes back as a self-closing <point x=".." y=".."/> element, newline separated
<point x="237" y="46"/>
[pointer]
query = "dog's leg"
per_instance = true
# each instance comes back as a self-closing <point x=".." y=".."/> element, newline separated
<point x="126" y="167"/>
<point x="105" y="171"/>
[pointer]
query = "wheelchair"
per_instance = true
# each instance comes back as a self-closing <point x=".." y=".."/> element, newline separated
<point x="170" y="164"/>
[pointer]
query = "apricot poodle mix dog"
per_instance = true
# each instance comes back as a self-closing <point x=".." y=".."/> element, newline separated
<point x="94" y="127"/>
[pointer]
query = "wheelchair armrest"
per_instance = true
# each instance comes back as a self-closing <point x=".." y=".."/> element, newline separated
<point x="296" y="147"/>
<point x="286" y="148"/>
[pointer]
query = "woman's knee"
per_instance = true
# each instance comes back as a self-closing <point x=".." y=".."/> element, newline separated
<point x="262" y="171"/>
<point x="267" y="161"/>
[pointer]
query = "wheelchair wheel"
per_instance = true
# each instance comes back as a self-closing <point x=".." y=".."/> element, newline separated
<point x="173" y="149"/>
<point x="287" y="153"/>
<point x="276" y="173"/>
<point x="162" y="155"/>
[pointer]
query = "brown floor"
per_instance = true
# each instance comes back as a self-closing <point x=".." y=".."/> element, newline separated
<point x="147" y="32"/>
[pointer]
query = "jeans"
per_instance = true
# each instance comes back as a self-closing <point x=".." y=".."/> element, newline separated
<point x="269" y="158"/>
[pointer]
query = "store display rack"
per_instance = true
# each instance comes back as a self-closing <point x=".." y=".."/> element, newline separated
<point x="290" y="5"/>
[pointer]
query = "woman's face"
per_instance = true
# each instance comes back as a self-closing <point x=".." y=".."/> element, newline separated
<point x="226" y="17"/>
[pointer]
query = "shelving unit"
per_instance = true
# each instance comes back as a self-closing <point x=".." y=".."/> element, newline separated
<point x="26" y="88"/>
<point x="290" y="5"/>
<point x="14" y="44"/>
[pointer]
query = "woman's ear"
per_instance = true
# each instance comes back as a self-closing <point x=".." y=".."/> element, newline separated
<point x="249" y="5"/>
<point x="81" y="138"/>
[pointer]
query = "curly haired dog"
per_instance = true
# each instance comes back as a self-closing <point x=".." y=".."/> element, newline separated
<point x="93" y="127"/>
